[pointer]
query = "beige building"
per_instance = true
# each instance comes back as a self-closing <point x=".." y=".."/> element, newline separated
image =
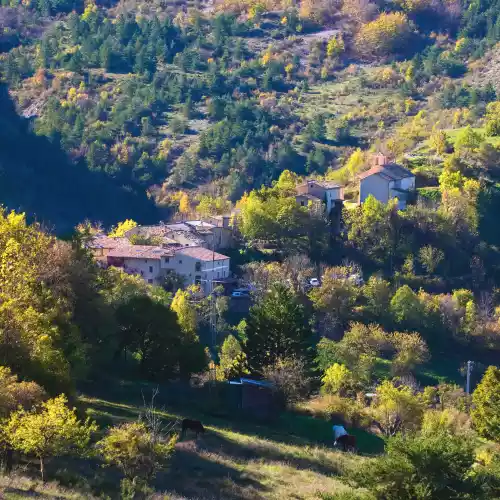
<point x="215" y="233"/>
<point x="322" y="196"/>
<point x="386" y="181"/>
<point x="322" y="192"/>
<point x="201" y="266"/>
<point x="196" y="264"/>
<point x="101" y="245"/>
<point x="143" y="260"/>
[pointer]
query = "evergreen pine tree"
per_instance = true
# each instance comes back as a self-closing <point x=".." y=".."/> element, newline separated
<point x="277" y="329"/>
<point x="486" y="399"/>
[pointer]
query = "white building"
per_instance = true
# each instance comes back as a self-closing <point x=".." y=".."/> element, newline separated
<point x="201" y="266"/>
<point x="386" y="181"/>
<point x="197" y="265"/>
<point x="144" y="260"/>
<point x="328" y="193"/>
<point x="323" y="197"/>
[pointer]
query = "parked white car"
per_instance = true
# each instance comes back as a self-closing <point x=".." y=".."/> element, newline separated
<point x="314" y="282"/>
<point x="357" y="279"/>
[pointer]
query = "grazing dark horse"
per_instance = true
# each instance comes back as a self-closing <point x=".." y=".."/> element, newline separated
<point x="347" y="442"/>
<point x="192" y="425"/>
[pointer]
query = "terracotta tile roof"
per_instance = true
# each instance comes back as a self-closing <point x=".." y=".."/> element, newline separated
<point x="199" y="224"/>
<point x="329" y="184"/>
<point x="309" y="197"/>
<point x="323" y="184"/>
<point x="103" y="241"/>
<point x="178" y="226"/>
<point x="140" y="252"/>
<point x="168" y="232"/>
<point x="391" y="172"/>
<point x="201" y="253"/>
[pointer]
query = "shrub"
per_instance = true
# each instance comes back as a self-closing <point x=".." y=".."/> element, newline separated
<point x="337" y="380"/>
<point x="290" y="378"/>
<point x="349" y="411"/>
<point x="435" y="466"/>
<point x="448" y="421"/>
<point x="136" y="451"/>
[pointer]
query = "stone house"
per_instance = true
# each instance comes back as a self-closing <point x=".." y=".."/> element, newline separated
<point x="386" y="181"/>
<point x="196" y="264"/>
<point x="323" y="196"/>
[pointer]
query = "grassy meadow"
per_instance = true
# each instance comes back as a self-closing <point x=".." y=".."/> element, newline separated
<point x="291" y="457"/>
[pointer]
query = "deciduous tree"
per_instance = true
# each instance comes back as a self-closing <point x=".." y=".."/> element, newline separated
<point x="389" y="33"/>
<point x="290" y="378"/>
<point x="151" y="330"/>
<point x="49" y="430"/>
<point x="430" y="258"/>
<point x="337" y="380"/>
<point x="411" y="350"/>
<point x="136" y="451"/>
<point x="122" y="227"/>
<point x="397" y="409"/>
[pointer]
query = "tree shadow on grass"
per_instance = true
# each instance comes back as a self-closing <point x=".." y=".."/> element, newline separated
<point x="288" y="428"/>
<point x="107" y="413"/>
<point x="298" y="430"/>
<point x="216" y="442"/>
<point x="199" y="472"/>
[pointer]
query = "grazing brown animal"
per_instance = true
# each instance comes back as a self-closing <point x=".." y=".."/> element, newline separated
<point x="192" y="425"/>
<point x="348" y="442"/>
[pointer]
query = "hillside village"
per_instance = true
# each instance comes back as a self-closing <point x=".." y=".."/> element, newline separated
<point x="186" y="249"/>
<point x="189" y="248"/>
<point x="249" y="249"/>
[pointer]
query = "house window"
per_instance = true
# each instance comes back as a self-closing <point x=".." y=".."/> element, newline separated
<point x="197" y="267"/>
<point x="180" y="262"/>
<point x="167" y="260"/>
<point x="150" y="281"/>
<point x="218" y="274"/>
<point x="302" y="203"/>
<point x="197" y="280"/>
<point x="150" y="269"/>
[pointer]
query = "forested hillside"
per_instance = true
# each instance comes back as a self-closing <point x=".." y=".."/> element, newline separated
<point x="38" y="178"/>
<point x="222" y="98"/>
<point x="371" y="311"/>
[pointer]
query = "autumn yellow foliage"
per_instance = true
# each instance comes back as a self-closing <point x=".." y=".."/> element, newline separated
<point x="385" y="35"/>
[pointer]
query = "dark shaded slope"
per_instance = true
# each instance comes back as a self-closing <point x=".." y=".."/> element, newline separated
<point x="36" y="177"/>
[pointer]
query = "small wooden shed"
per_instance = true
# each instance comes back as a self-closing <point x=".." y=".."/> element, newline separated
<point x="255" y="398"/>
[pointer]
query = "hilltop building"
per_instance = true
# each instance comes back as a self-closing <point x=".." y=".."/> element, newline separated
<point x="385" y="181"/>
<point x="323" y="196"/>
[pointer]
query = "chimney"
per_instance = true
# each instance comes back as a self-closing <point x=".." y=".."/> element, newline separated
<point x="380" y="160"/>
